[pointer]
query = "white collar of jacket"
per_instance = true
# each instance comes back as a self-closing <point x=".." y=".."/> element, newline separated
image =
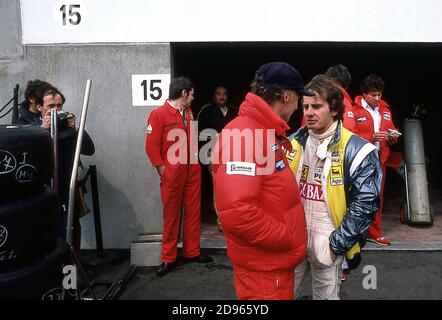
<point x="302" y="134"/>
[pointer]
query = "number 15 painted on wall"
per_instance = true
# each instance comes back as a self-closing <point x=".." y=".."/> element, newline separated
<point x="150" y="89"/>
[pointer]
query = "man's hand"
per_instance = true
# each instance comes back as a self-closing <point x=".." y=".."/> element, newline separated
<point x="393" y="135"/>
<point x="380" y="135"/>
<point x="391" y="138"/>
<point x="46" y="120"/>
<point x="160" y="170"/>
<point x="333" y="256"/>
<point x="71" y="121"/>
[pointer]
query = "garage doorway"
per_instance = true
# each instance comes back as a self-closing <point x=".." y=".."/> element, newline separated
<point x="411" y="72"/>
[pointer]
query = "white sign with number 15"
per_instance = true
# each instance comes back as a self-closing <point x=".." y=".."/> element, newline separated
<point x="150" y="90"/>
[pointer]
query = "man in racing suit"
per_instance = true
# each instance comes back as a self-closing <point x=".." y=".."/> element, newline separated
<point x="339" y="179"/>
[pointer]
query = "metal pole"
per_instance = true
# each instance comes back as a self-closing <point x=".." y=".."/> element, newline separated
<point x="76" y="161"/>
<point x="96" y="208"/>
<point x="100" y="257"/>
<point x="119" y="285"/>
<point x="54" y="136"/>
<point x="15" y="105"/>
<point x="407" y="215"/>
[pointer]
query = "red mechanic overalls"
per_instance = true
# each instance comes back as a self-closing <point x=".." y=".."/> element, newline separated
<point x="180" y="183"/>
<point x="365" y="129"/>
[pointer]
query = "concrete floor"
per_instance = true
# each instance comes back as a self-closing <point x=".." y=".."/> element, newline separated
<point x="402" y="237"/>
<point x="408" y="269"/>
<point x="400" y="275"/>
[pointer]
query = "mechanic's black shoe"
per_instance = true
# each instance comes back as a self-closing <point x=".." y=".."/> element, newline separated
<point x="165" y="268"/>
<point x="199" y="259"/>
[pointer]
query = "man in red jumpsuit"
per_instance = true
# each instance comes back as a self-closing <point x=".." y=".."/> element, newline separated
<point x="373" y="123"/>
<point x="168" y="146"/>
<point x="256" y="193"/>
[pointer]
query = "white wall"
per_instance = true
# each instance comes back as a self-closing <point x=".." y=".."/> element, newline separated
<point x="233" y="20"/>
<point x="128" y="185"/>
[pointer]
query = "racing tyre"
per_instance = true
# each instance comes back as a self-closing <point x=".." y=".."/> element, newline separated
<point x="42" y="280"/>
<point x="28" y="229"/>
<point x="26" y="160"/>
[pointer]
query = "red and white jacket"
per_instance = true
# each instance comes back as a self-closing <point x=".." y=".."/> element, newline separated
<point x="349" y="122"/>
<point x="261" y="214"/>
<point x="365" y="125"/>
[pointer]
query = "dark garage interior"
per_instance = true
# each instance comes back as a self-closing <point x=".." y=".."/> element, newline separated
<point x="411" y="72"/>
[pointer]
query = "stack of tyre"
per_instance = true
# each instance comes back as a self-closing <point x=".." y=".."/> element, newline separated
<point x="31" y="255"/>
